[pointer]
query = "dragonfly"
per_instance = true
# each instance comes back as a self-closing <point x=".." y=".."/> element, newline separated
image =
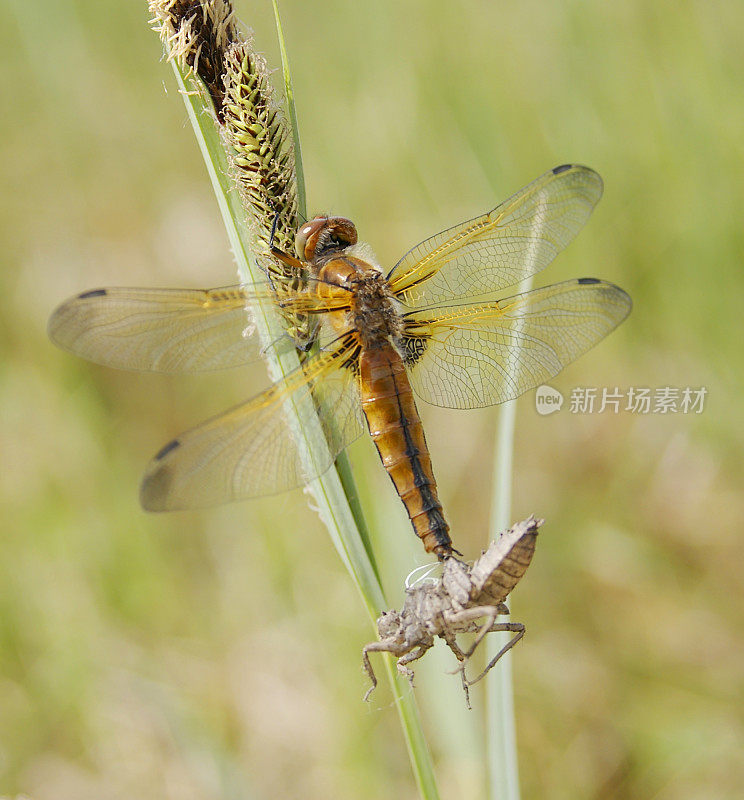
<point x="431" y="328"/>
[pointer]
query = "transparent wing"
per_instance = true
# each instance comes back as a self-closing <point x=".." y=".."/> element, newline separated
<point x="252" y="449"/>
<point x="499" y="249"/>
<point x="472" y="356"/>
<point x="166" y="330"/>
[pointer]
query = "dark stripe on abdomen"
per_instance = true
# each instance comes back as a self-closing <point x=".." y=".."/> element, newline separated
<point x="395" y="427"/>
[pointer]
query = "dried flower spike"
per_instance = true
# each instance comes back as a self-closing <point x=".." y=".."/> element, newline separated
<point x="197" y="34"/>
<point x="204" y="38"/>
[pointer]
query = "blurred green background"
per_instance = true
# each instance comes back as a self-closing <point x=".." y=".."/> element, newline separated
<point x="215" y="655"/>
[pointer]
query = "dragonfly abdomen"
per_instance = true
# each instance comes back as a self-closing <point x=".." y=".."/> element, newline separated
<point x="395" y="427"/>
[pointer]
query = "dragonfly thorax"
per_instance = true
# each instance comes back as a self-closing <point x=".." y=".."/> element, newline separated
<point x="371" y="309"/>
<point x="374" y="310"/>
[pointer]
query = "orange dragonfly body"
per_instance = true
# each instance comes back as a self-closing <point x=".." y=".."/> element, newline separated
<point x="381" y="339"/>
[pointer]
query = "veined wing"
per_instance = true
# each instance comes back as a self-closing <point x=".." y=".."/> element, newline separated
<point x="166" y="330"/>
<point x="471" y="356"/>
<point x="252" y="449"/>
<point x="499" y="249"/>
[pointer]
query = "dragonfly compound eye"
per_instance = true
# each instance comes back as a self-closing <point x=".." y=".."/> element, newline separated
<point x="306" y="238"/>
<point x="323" y="236"/>
<point x="341" y="232"/>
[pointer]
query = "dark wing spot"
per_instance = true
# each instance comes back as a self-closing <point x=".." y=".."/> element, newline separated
<point x="352" y="364"/>
<point x="561" y="168"/>
<point x="415" y="347"/>
<point x="93" y="293"/>
<point x="350" y="359"/>
<point x="155" y="488"/>
<point x="163" y="452"/>
<point x="589" y="280"/>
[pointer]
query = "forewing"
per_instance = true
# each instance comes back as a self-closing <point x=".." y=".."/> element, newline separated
<point x="252" y="449"/>
<point x="165" y="330"/>
<point x="471" y="356"/>
<point x="499" y="249"/>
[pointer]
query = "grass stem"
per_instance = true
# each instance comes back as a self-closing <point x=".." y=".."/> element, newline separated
<point x="501" y="735"/>
<point x="334" y="491"/>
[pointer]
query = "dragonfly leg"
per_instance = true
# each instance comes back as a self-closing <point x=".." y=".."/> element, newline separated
<point x="390" y="645"/>
<point x="469" y="615"/>
<point x="517" y="628"/>
<point x="462" y="620"/>
<point x="449" y="638"/>
<point x="286" y="258"/>
<point x="412" y="655"/>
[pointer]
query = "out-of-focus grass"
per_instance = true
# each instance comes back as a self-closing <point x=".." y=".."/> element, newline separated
<point x="215" y="654"/>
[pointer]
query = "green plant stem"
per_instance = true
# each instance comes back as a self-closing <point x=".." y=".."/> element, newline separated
<point x="501" y="737"/>
<point x="343" y="464"/>
<point x="292" y="110"/>
<point x="501" y="734"/>
<point x="337" y="509"/>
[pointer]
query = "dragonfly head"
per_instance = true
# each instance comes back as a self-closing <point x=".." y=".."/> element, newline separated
<point x="324" y="236"/>
<point x="389" y="623"/>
